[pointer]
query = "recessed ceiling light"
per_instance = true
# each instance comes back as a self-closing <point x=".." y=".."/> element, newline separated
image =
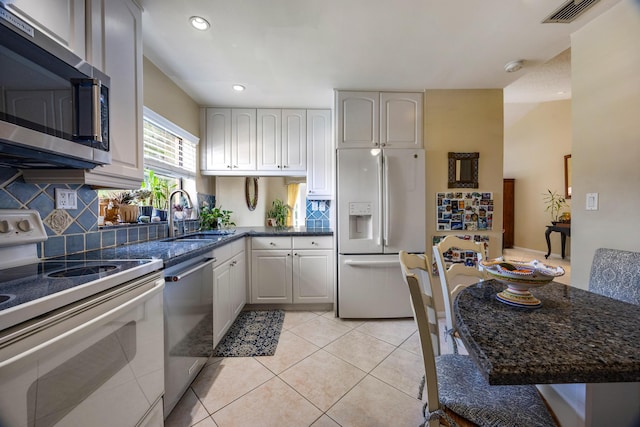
<point x="199" y="23"/>
<point x="238" y="88"/>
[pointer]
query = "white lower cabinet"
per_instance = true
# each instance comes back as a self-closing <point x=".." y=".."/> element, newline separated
<point x="229" y="287"/>
<point x="295" y="269"/>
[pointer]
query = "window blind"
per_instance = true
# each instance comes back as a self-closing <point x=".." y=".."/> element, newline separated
<point x="168" y="151"/>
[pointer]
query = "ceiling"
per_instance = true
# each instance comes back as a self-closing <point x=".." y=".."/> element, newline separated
<point x="293" y="53"/>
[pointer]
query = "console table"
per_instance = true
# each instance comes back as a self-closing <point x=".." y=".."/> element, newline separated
<point x="564" y="230"/>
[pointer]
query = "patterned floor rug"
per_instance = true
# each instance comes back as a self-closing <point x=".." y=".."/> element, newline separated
<point x="254" y="333"/>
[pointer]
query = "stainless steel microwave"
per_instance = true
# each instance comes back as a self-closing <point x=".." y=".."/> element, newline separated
<point x="54" y="107"/>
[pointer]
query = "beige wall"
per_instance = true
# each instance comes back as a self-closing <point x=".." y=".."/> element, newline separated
<point x="164" y="97"/>
<point x="464" y="121"/>
<point x="534" y="150"/>
<point x="230" y="195"/>
<point x="605" y="59"/>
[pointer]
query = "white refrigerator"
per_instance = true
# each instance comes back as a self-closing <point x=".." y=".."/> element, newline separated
<point x="380" y="211"/>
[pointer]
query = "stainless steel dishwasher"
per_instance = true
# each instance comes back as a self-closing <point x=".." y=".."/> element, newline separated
<point x="188" y="324"/>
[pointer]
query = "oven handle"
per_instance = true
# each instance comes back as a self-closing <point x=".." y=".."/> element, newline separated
<point x="183" y="274"/>
<point x="113" y="313"/>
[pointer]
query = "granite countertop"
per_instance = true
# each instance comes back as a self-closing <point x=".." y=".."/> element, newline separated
<point x="173" y="252"/>
<point x="575" y="337"/>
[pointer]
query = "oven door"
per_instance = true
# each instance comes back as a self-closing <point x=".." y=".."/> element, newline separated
<point x="97" y="362"/>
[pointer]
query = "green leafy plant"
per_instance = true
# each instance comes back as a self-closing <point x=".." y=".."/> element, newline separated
<point x="125" y="197"/>
<point x="212" y="218"/>
<point x="160" y="190"/>
<point x="143" y="196"/>
<point x="279" y="212"/>
<point x="554" y="204"/>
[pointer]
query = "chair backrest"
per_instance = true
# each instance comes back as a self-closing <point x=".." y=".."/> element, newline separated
<point x="461" y="273"/>
<point x="415" y="273"/>
<point x="616" y="274"/>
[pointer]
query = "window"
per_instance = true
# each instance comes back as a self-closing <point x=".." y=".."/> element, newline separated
<point x="170" y="152"/>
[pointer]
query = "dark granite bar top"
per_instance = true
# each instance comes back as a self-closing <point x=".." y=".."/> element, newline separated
<point x="575" y="337"/>
<point x="173" y="252"/>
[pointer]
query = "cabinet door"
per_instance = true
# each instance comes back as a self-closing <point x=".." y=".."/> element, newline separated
<point x="62" y="20"/>
<point x="238" y="284"/>
<point x="294" y="140"/>
<point x="269" y="123"/>
<point x="271" y="276"/>
<point x="222" y="318"/>
<point x="357" y="119"/>
<point x="312" y="276"/>
<point x="401" y="120"/>
<point x="116" y="48"/>
<point x="320" y="158"/>
<point x="216" y="148"/>
<point x="243" y="139"/>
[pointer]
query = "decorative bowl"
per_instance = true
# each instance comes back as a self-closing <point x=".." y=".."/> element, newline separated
<point x="520" y="276"/>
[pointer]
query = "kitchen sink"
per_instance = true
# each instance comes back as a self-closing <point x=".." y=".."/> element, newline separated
<point x="199" y="236"/>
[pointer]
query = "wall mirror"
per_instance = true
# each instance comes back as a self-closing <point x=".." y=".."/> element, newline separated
<point x="463" y="170"/>
<point x="567" y="176"/>
<point x="251" y="192"/>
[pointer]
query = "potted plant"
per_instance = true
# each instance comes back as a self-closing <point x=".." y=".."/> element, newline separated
<point x="143" y="198"/>
<point x="160" y="190"/>
<point x="278" y="214"/>
<point x="124" y="200"/>
<point x="555" y="203"/>
<point x="215" y="218"/>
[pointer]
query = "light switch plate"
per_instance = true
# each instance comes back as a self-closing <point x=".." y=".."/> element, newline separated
<point x="592" y="201"/>
<point x="66" y="199"/>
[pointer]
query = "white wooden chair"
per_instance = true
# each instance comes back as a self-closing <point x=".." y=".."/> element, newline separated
<point x="457" y="393"/>
<point x="456" y="277"/>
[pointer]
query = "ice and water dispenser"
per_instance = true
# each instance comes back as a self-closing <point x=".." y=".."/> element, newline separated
<point x="360" y="220"/>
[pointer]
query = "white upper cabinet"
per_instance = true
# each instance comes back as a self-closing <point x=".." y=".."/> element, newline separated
<point x="320" y="155"/>
<point x="215" y="154"/>
<point x="294" y="140"/>
<point x="269" y="139"/>
<point x="266" y="141"/>
<point x="379" y="119"/>
<point x="62" y="20"/>
<point x="282" y="140"/>
<point x="243" y="139"/>
<point x="116" y="49"/>
<point x="357" y="122"/>
<point x="229" y="147"/>
<point x="401" y="120"/>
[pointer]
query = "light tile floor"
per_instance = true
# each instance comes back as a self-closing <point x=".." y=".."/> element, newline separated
<point x="326" y="372"/>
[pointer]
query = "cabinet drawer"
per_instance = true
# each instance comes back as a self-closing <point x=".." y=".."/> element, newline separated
<point x="225" y="252"/>
<point x="271" y="243"/>
<point x="312" y="242"/>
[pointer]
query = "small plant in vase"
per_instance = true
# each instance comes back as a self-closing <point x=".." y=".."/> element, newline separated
<point x="124" y="200"/>
<point x="215" y="218"/>
<point x="278" y="214"/>
<point x="554" y="204"/>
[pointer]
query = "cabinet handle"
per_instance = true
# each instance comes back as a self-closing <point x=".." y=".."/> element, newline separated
<point x="235" y="166"/>
<point x="272" y="244"/>
<point x="288" y="254"/>
<point x="279" y="166"/>
<point x="228" y="166"/>
<point x="296" y="254"/>
<point x="285" y="166"/>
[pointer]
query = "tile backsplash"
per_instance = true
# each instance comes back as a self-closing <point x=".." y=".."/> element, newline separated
<point x="71" y="230"/>
<point x="318" y="214"/>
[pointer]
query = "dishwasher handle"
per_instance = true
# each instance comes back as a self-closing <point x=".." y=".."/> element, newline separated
<point x="183" y="274"/>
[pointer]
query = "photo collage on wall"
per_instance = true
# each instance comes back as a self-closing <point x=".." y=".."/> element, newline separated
<point x="466" y="211"/>
<point x="454" y="255"/>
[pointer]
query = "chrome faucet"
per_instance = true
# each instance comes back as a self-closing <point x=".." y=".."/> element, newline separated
<point x="171" y="230"/>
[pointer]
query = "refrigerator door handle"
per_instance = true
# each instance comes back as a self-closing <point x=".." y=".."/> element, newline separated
<point x="385" y="163"/>
<point x="380" y="202"/>
<point x="355" y="263"/>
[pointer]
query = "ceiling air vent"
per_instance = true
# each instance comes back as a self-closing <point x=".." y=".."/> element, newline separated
<point x="569" y="11"/>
